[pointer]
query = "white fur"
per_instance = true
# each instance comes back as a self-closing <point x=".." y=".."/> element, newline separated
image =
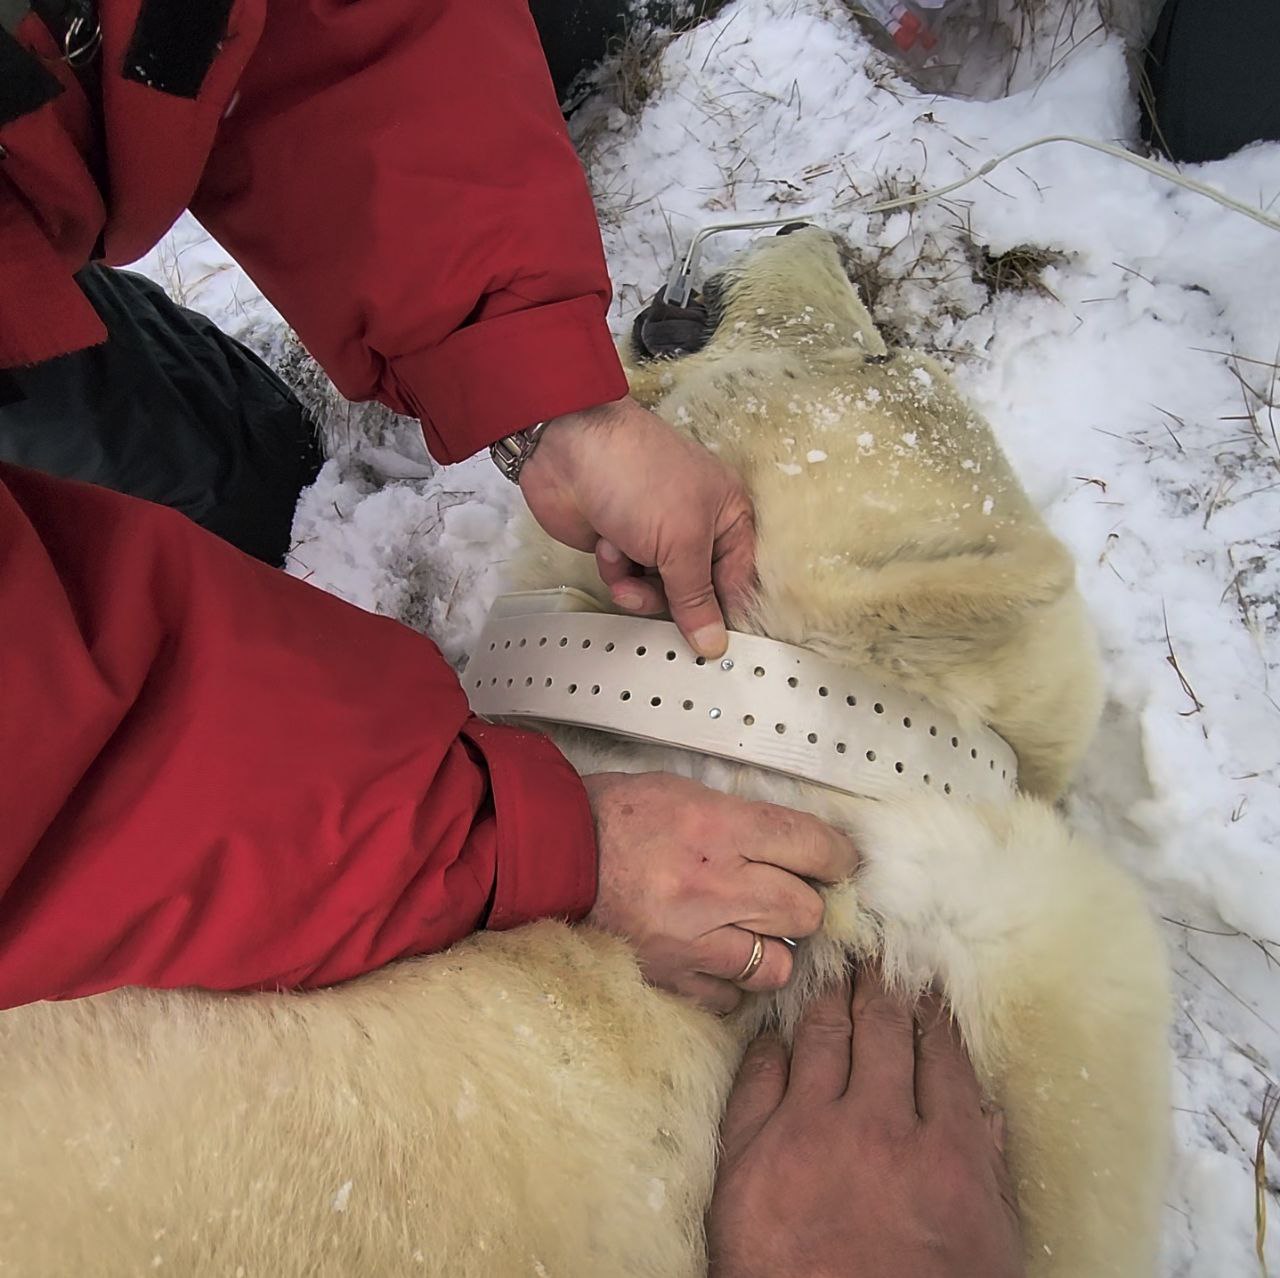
<point x="523" y="1104"/>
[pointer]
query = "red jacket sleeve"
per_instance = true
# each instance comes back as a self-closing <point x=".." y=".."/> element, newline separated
<point x="215" y="775"/>
<point x="395" y="175"/>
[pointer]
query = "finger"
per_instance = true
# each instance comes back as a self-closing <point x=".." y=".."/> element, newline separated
<point x="709" y="992"/>
<point x="821" y="1055"/>
<point x="947" y="1091"/>
<point x="1000" y="1165"/>
<point x="614" y="567"/>
<point x="639" y="595"/>
<point x="774" y="902"/>
<point x="798" y="842"/>
<point x="996" y="1126"/>
<point x="733" y="562"/>
<point x="726" y="952"/>
<point x="757" y="1093"/>
<point x="691" y="597"/>
<point x="883" y="1074"/>
<point x="629" y="588"/>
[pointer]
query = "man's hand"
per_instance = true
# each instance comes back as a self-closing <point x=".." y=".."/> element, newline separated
<point x="869" y="1156"/>
<point x="688" y="874"/>
<point x="621" y="482"/>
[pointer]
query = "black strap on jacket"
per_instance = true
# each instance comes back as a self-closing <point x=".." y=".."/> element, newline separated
<point x="25" y="83"/>
<point x="175" y="44"/>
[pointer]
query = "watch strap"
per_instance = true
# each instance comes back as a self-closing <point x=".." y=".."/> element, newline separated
<point x="512" y="451"/>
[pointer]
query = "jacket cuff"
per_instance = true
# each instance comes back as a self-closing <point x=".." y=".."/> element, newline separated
<point x="546" y="842"/>
<point x="505" y="374"/>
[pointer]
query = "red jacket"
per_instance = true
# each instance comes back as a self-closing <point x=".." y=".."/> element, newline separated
<point x="211" y="774"/>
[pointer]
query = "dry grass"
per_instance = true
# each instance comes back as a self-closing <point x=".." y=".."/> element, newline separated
<point x="341" y="424"/>
<point x="183" y="288"/>
<point x="1017" y="270"/>
<point x="922" y="285"/>
<point x="870" y="276"/>
<point x="1146" y="99"/>
<point x="632" y="73"/>
<point x="1270" y="1104"/>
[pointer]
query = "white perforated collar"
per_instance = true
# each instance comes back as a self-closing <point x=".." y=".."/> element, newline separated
<point x="555" y="656"/>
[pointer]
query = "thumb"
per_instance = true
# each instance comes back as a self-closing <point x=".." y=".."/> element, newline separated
<point x="757" y="1093"/>
<point x="691" y="597"/>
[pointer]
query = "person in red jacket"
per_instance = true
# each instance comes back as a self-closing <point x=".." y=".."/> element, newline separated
<point x="215" y="775"/>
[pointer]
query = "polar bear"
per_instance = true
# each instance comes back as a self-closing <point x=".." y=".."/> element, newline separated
<point x="524" y="1103"/>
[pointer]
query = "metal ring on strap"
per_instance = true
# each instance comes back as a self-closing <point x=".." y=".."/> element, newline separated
<point x="543" y="656"/>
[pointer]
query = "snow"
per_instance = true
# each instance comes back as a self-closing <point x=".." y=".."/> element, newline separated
<point x="657" y="1195"/>
<point x="1135" y="394"/>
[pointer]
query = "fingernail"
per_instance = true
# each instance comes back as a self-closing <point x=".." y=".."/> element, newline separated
<point x="710" y="641"/>
<point x="996" y="1119"/>
<point x="608" y="551"/>
<point x="632" y="599"/>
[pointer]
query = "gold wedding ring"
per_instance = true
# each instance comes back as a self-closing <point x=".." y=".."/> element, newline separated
<point x="753" y="963"/>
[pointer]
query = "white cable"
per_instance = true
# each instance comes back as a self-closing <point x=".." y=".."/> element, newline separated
<point x="1107" y="148"/>
<point x="680" y="285"/>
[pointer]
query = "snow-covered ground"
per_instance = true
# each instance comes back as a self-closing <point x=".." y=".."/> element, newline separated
<point x="1136" y="391"/>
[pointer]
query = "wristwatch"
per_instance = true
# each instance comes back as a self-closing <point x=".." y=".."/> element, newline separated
<point x="511" y="452"/>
